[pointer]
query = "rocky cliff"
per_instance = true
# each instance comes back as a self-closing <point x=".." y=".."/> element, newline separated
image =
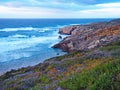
<point x="96" y="69"/>
<point x="84" y="37"/>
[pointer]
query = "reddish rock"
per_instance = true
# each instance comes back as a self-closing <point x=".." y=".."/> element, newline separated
<point x="89" y="36"/>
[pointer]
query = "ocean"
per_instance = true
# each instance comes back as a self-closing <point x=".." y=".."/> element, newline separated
<point x="27" y="42"/>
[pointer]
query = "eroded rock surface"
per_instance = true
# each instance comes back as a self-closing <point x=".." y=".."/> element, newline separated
<point x="89" y="36"/>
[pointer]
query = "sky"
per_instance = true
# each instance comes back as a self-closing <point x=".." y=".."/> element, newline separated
<point x="59" y="8"/>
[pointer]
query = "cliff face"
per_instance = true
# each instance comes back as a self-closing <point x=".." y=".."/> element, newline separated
<point x="84" y="37"/>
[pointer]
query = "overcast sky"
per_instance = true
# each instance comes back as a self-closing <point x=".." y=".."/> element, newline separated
<point x="59" y="8"/>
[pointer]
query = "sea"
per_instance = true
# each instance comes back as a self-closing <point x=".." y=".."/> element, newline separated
<point x="27" y="42"/>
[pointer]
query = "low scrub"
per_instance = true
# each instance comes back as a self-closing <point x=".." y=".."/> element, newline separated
<point x="102" y="77"/>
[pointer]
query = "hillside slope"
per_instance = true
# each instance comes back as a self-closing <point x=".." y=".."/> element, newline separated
<point x="97" y="68"/>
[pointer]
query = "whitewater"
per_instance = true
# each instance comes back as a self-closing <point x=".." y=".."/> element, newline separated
<point x="27" y="42"/>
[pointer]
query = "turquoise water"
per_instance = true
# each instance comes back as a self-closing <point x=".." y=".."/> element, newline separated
<point x="27" y="42"/>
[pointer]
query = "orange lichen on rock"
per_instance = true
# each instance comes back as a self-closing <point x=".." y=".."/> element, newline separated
<point x="109" y="31"/>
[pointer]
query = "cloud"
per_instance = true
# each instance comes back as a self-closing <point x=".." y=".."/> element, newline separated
<point x="61" y="4"/>
<point x="85" y="2"/>
<point x="106" y="10"/>
<point x="53" y="4"/>
<point x="102" y="13"/>
<point x="58" y="9"/>
<point x="107" y="5"/>
<point x="33" y="12"/>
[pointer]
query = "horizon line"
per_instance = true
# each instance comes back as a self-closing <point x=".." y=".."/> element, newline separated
<point x="60" y="18"/>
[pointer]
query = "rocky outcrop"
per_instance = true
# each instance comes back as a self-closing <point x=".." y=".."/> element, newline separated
<point x="67" y="30"/>
<point x="79" y="29"/>
<point x="84" y="37"/>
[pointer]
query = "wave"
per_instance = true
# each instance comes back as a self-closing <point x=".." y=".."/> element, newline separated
<point x="18" y="36"/>
<point x="16" y="48"/>
<point x="16" y="29"/>
<point x="9" y="44"/>
<point x="27" y="29"/>
<point x="22" y="41"/>
<point x="31" y="28"/>
<point x="75" y="24"/>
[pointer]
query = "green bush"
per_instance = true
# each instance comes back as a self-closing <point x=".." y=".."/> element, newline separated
<point x="100" y="78"/>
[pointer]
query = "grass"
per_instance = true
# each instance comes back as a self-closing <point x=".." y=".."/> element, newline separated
<point x="100" y="77"/>
<point x="112" y="46"/>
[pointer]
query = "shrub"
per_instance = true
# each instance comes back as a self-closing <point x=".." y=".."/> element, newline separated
<point x="99" y="78"/>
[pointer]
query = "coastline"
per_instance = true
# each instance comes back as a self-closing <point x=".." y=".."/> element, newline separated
<point x="89" y="36"/>
<point x="27" y="51"/>
<point x="68" y="33"/>
<point x="57" y="72"/>
<point x="33" y="33"/>
<point x="27" y="62"/>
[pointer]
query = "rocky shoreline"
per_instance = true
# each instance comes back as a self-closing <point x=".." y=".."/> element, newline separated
<point x="93" y="62"/>
<point x="86" y="37"/>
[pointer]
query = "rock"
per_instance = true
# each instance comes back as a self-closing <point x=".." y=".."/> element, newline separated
<point x="67" y="30"/>
<point x="89" y="36"/>
<point x="62" y="45"/>
<point x="60" y="37"/>
<point x="57" y="53"/>
<point x="75" y="29"/>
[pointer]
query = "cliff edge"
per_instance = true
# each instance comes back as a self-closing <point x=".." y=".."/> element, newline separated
<point x="84" y="37"/>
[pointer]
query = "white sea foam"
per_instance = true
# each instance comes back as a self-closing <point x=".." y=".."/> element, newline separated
<point x="31" y="28"/>
<point x="10" y="47"/>
<point x="18" y="41"/>
<point x="18" y="36"/>
<point x="16" y="29"/>
<point x="61" y="26"/>
<point x="27" y="29"/>
<point x="8" y="44"/>
<point x="75" y="24"/>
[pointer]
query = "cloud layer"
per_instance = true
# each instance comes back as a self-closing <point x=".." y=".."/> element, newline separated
<point x="59" y="9"/>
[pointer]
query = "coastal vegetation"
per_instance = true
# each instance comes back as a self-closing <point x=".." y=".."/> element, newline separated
<point x="97" y="68"/>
